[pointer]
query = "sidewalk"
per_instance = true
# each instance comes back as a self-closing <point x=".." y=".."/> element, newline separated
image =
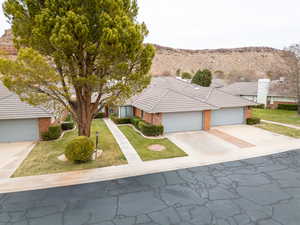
<point x="281" y="124"/>
<point x="127" y="149"/>
<point x="136" y="169"/>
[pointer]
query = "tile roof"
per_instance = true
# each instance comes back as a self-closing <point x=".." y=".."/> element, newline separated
<point x="168" y="94"/>
<point x="11" y="107"/>
<point x="277" y="88"/>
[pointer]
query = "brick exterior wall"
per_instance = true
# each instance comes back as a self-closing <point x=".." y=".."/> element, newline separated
<point x="152" y="118"/>
<point x="206" y="120"/>
<point x="248" y="112"/>
<point x="137" y="112"/>
<point x="44" y="124"/>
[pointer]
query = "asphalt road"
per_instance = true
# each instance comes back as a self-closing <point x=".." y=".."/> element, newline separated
<point x="259" y="191"/>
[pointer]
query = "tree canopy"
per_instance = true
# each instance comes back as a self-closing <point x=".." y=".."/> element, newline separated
<point x="82" y="54"/>
<point x="203" y="78"/>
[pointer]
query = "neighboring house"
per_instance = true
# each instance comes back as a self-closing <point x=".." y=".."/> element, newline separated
<point x="180" y="106"/>
<point x="20" y="121"/>
<point x="264" y="91"/>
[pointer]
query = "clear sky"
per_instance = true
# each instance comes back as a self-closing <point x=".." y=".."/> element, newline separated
<point x="201" y="24"/>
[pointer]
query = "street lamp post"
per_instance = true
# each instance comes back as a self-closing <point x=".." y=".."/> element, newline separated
<point x="97" y="141"/>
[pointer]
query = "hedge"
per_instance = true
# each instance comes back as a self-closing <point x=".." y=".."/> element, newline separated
<point x="260" y="106"/>
<point x="291" y="107"/>
<point x="135" y="122"/>
<point x="67" y="125"/>
<point x="146" y="128"/>
<point x="149" y="129"/>
<point x="68" y="118"/>
<point x="120" y="120"/>
<point x="100" y="115"/>
<point x="253" y="121"/>
<point x="53" y="133"/>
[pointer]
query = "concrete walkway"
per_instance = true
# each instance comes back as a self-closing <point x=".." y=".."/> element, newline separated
<point x="127" y="149"/>
<point x="281" y="124"/>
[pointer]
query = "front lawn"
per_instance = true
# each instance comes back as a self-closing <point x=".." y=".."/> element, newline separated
<point x="141" y="145"/>
<point x="43" y="158"/>
<point x="280" y="129"/>
<point x="276" y="115"/>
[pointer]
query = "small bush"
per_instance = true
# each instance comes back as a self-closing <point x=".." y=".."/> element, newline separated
<point x="135" y="122"/>
<point x="120" y="120"/>
<point x="53" y="133"/>
<point x="290" y="107"/>
<point x="186" y="75"/>
<point x="260" y="106"/>
<point x="80" y="149"/>
<point x="253" y="121"/>
<point x="67" y="125"/>
<point x="149" y="129"/>
<point x="100" y="115"/>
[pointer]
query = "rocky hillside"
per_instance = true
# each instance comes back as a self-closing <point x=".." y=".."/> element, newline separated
<point x="6" y="44"/>
<point x="231" y="64"/>
<point x="234" y="64"/>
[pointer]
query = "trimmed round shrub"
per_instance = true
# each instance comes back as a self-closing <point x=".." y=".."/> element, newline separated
<point x="253" y="121"/>
<point x="67" y="125"/>
<point x="80" y="149"/>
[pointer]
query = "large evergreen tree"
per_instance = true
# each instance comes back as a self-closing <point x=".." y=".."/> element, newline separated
<point x="203" y="78"/>
<point x="82" y="54"/>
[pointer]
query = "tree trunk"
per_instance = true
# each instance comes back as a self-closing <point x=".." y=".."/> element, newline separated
<point x="84" y="118"/>
<point x="84" y="128"/>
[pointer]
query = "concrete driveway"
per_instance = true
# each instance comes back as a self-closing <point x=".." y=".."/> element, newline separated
<point x="213" y="148"/>
<point x="11" y="156"/>
<point x="258" y="191"/>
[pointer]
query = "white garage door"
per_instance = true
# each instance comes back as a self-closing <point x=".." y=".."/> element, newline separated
<point x="229" y="116"/>
<point x="180" y="122"/>
<point x="19" y="130"/>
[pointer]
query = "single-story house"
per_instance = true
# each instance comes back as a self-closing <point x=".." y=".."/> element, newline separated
<point x="20" y="121"/>
<point x="264" y="91"/>
<point x="181" y="106"/>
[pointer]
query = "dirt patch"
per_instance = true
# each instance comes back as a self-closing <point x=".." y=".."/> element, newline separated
<point x="156" y="148"/>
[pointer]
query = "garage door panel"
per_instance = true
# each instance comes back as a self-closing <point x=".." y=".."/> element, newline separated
<point x="180" y="122"/>
<point x="19" y="130"/>
<point x="230" y="116"/>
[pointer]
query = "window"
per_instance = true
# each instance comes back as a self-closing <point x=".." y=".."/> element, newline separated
<point x="142" y="114"/>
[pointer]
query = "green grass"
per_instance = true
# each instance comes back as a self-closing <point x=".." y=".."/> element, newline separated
<point x="141" y="145"/>
<point x="280" y="129"/>
<point x="43" y="158"/>
<point x="281" y="116"/>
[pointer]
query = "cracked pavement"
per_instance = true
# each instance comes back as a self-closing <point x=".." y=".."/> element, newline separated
<point x="258" y="191"/>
